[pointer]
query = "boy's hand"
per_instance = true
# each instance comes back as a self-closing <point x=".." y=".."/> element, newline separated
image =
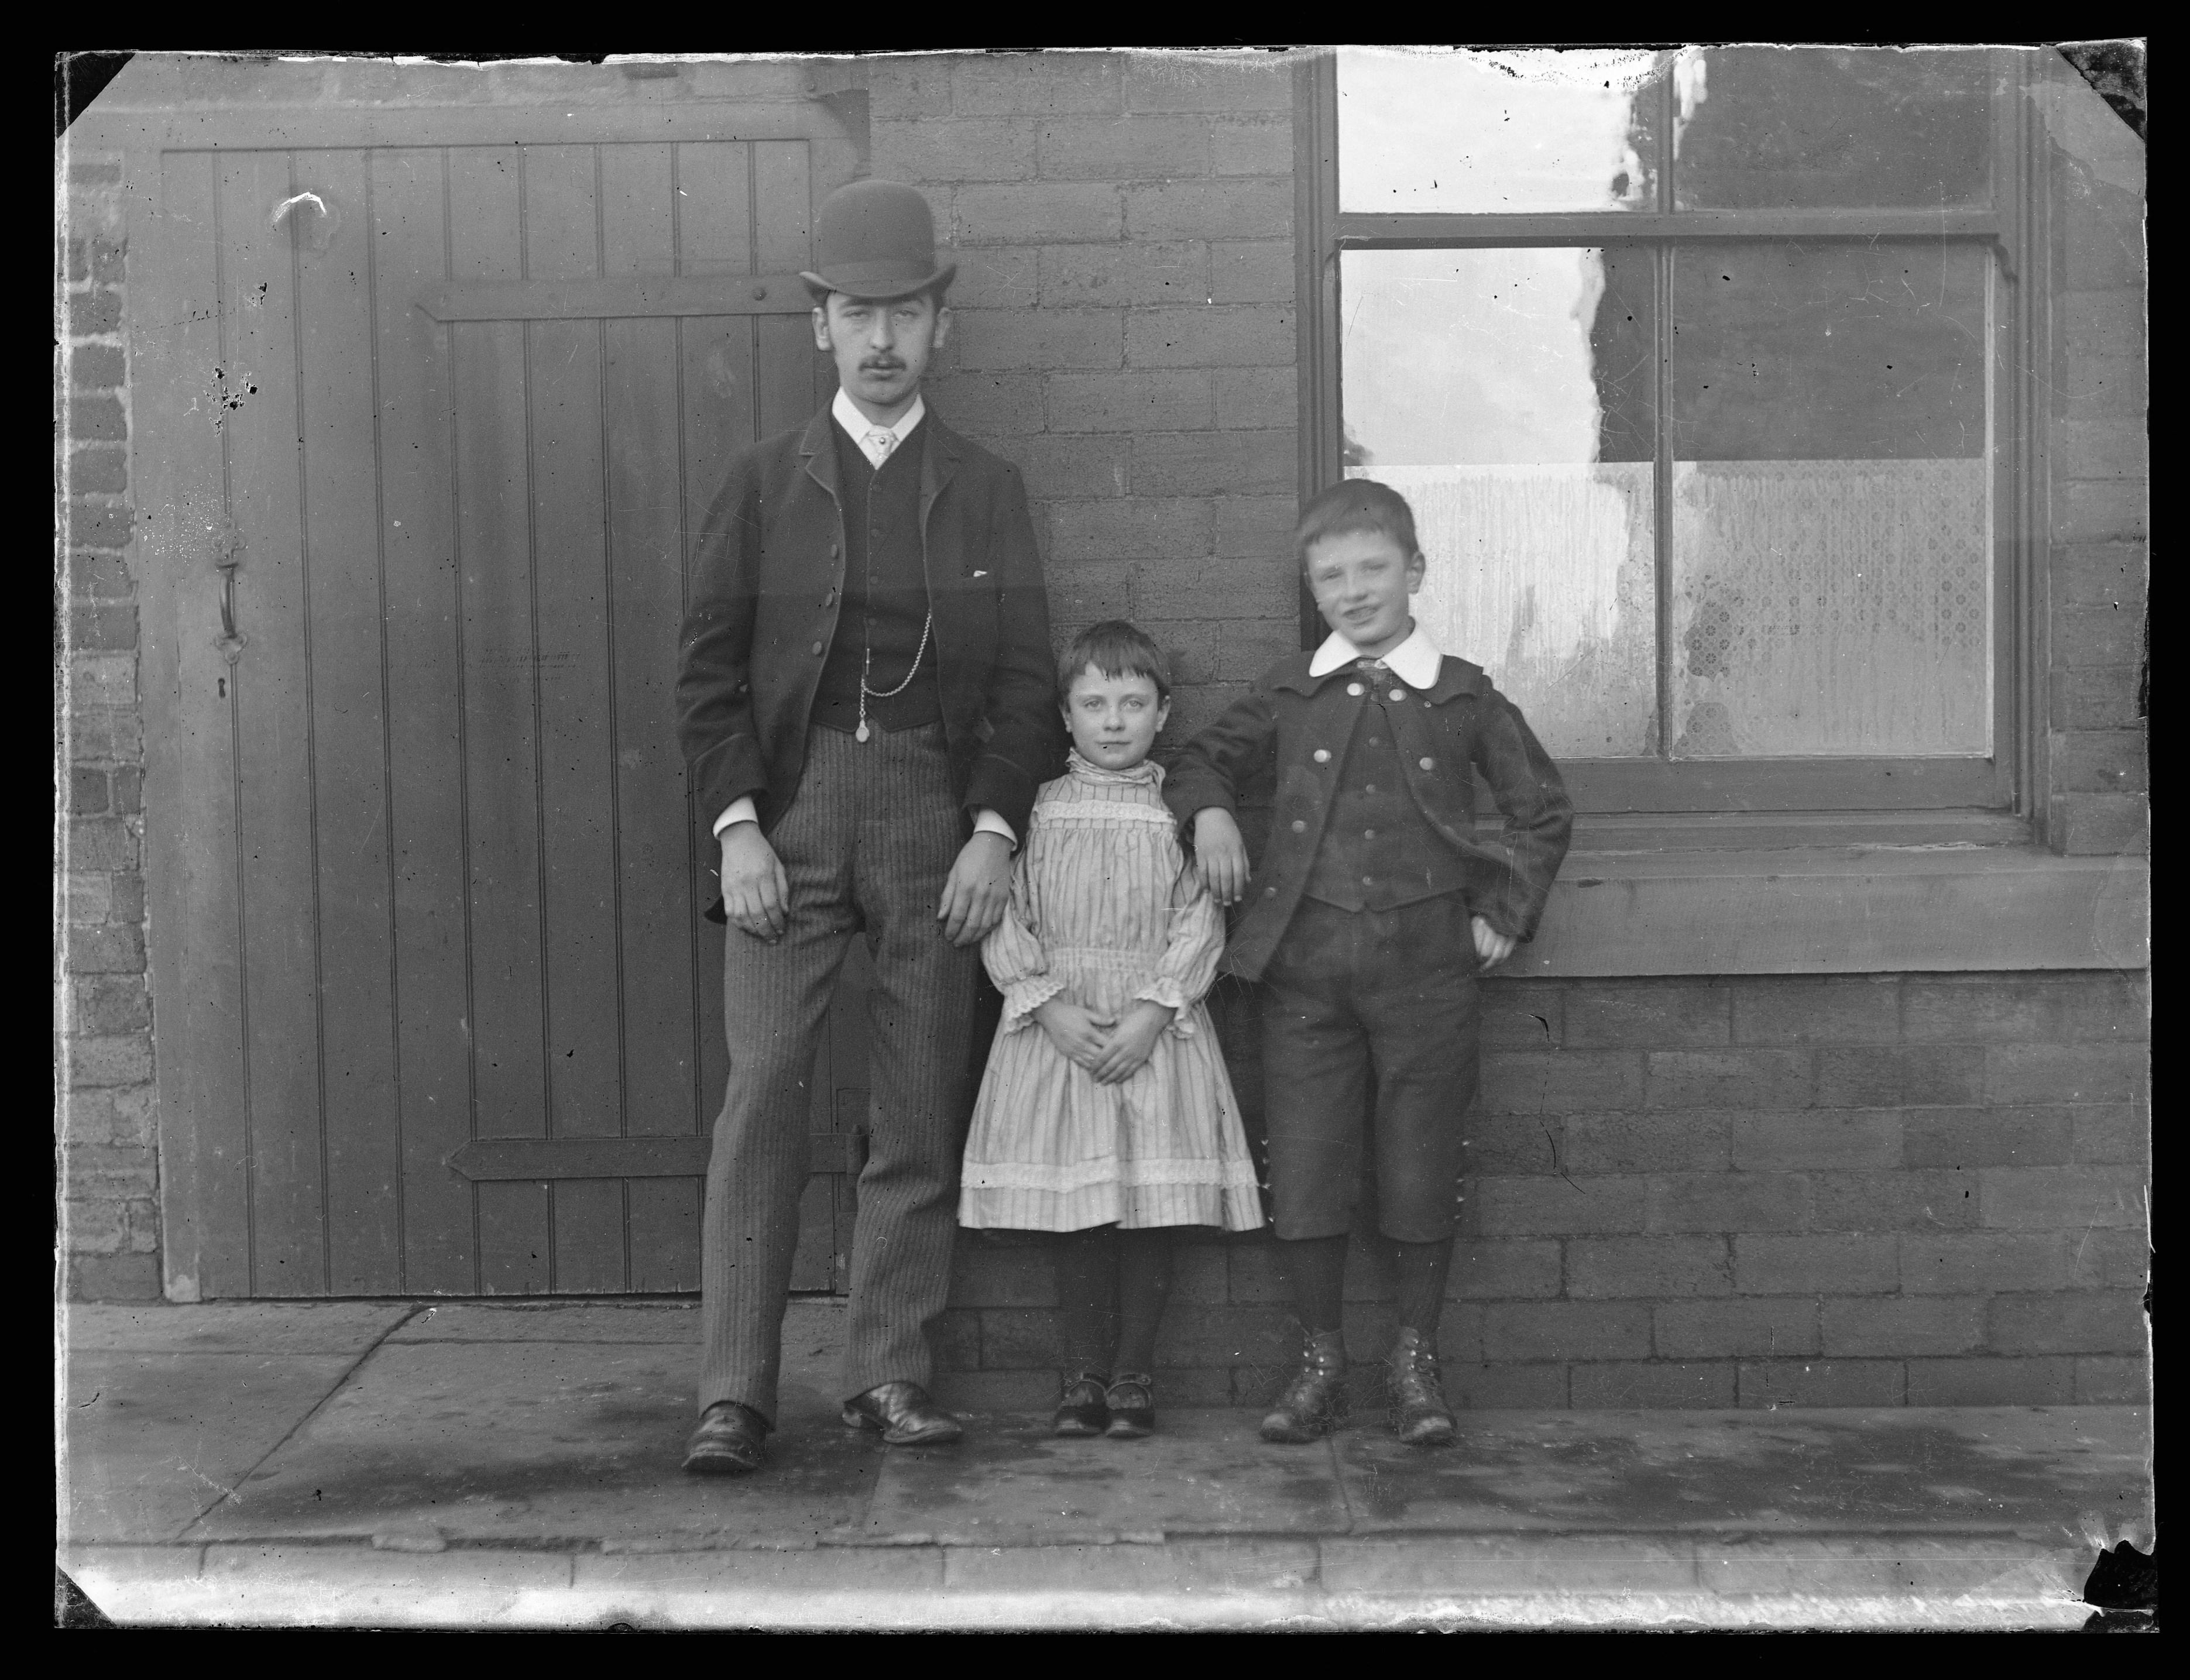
<point x="755" y="891"/>
<point x="1079" y="1035"/>
<point x="1132" y="1044"/>
<point x="1222" y="855"/>
<point x="979" y="890"/>
<point x="1491" y="946"/>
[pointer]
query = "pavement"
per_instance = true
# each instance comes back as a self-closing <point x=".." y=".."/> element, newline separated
<point x="395" y="1463"/>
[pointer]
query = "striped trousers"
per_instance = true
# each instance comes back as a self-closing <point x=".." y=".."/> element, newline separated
<point x="867" y="843"/>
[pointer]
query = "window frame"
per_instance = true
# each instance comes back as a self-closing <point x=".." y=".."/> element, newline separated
<point x="1663" y="801"/>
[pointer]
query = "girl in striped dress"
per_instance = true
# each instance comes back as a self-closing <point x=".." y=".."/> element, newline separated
<point x="1106" y="1116"/>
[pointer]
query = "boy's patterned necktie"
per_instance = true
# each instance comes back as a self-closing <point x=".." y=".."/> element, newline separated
<point x="880" y="442"/>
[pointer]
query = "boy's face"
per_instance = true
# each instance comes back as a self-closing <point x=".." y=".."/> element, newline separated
<point x="1361" y="580"/>
<point x="881" y="348"/>
<point x="1114" y="720"/>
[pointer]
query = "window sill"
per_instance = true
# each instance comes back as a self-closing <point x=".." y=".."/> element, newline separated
<point x="1849" y="909"/>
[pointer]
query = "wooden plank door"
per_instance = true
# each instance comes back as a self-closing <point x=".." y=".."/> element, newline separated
<point x="430" y="445"/>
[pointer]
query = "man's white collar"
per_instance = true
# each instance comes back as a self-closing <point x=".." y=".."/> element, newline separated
<point x="856" y="425"/>
<point x="1416" y="660"/>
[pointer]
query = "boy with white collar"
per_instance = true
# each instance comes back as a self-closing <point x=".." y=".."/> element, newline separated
<point x="1371" y="914"/>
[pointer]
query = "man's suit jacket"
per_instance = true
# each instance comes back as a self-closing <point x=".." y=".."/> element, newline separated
<point x="767" y="581"/>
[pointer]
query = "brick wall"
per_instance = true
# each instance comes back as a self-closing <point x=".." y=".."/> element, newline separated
<point x="1125" y="328"/>
<point x="2102" y="482"/>
<point x="109" y="1110"/>
<point x="1881" y="1190"/>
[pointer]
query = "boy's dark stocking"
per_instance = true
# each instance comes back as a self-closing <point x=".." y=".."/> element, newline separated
<point x="1420" y="1269"/>
<point x="1144" y="1274"/>
<point x="1315" y="1270"/>
<point x="1087" y="1267"/>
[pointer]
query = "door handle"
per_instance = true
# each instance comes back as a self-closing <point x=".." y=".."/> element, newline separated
<point x="227" y="555"/>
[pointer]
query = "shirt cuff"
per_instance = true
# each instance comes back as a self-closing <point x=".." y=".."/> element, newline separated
<point x="740" y="810"/>
<point x="1023" y="997"/>
<point x="986" y="821"/>
<point x="1167" y="991"/>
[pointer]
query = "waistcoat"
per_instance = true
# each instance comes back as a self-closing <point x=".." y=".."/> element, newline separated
<point x="1379" y="851"/>
<point x="885" y="594"/>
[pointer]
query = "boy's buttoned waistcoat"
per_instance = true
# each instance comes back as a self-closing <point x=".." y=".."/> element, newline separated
<point x="1300" y="726"/>
<point x="767" y="586"/>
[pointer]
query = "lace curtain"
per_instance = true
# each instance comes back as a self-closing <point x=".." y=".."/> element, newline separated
<point x="1820" y="608"/>
<point x="1830" y="607"/>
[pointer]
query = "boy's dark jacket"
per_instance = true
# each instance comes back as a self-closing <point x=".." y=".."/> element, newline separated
<point x="767" y="583"/>
<point x="1445" y="733"/>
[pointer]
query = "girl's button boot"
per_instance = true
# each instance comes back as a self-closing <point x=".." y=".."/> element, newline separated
<point x="1314" y="1402"/>
<point x="1419" y="1417"/>
<point x="1081" y="1411"/>
<point x="1132" y="1403"/>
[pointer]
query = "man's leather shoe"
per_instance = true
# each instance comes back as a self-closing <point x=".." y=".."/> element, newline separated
<point x="727" y="1442"/>
<point x="905" y="1414"/>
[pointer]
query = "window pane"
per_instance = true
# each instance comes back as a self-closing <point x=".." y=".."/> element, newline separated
<point x="1811" y="127"/>
<point x="1497" y="131"/>
<point x="1831" y="505"/>
<point x="1507" y="395"/>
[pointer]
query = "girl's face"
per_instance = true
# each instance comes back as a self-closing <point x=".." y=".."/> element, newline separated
<point x="1114" y="720"/>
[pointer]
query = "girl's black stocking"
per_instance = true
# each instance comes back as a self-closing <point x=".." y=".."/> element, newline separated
<point x="1144" y="1274"/>
<point x="1087" y="1269"/>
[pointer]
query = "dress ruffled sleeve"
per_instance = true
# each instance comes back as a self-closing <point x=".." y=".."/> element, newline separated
<point x="1196" y="943"/>
<point x="1015" y="960"/>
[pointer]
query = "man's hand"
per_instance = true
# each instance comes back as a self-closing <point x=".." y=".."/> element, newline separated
<point x="1079" y="1035"/>
<point x="755" y="891"/>
<point x="979" y="891"/>
<point x="1491" y="946"/>
<point x="1130" y="1046"/>
<point x="1222" y="855"/>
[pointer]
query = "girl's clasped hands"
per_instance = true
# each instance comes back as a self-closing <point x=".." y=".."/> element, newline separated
<point x="1111" y="1049"/>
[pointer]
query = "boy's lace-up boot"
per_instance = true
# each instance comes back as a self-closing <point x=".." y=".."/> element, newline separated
<point x="1419" y="1417"/>
<point x="1314" y="1402"/>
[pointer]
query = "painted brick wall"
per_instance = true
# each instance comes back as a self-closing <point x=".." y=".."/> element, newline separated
<point x="1879" y="1190"/>
<point x="109" y="1111"/>
<point x="1125" y="328"/>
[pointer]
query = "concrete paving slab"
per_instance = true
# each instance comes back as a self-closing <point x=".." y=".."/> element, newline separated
<point x="1229" y="1567"/>
<point x="319" y="1587"/>
<point x="1011" y="1483"/>
<point x="864" y="1569"/>
<point x="154" y="1439"/>
<point x="1472" y="1565"/>
<point x="231" y="1326"/>
<point x="2039" y="1471"/>
<point x="538" y="1442"/>
<point x="1941" y="1567"/>
<point x="105" y="1570"/>
<point x="676" y="1323"/>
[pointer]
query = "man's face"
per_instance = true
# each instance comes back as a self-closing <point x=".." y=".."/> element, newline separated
<point x="1361" y="580"/>
<point x="880" y="348"/>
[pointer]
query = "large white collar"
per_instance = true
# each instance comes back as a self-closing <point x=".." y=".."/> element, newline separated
<point x="1417" y="660"/>
<point x="856" y="425"/>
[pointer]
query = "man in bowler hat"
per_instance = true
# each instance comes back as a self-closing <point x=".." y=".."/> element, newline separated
<point x="864" y="703"/>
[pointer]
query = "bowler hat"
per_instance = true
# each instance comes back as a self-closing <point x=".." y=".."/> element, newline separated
<point x="875" y="239"/>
